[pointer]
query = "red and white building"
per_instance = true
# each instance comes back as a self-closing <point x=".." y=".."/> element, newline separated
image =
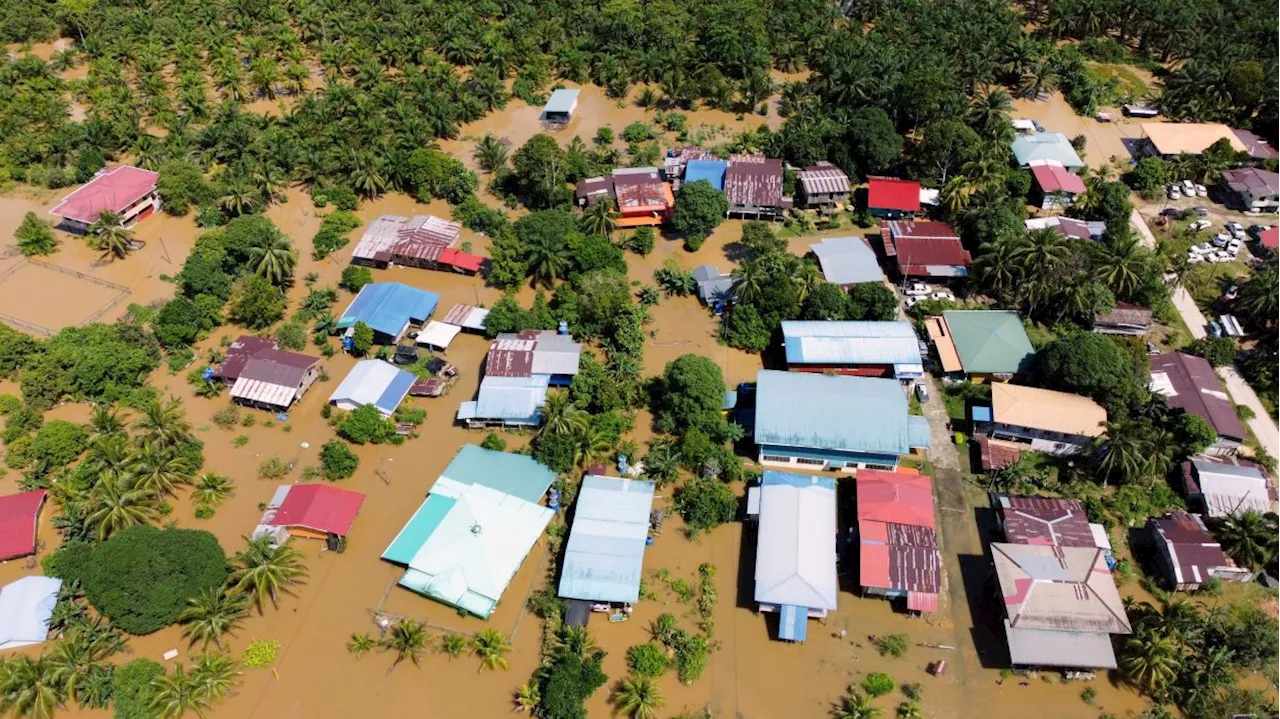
<point x="128" y="191"/>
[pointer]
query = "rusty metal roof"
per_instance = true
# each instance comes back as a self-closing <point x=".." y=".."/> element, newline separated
<point x="753" y="180"/>
<point x="825" y="179"/>
<point x="1045" y="520"/>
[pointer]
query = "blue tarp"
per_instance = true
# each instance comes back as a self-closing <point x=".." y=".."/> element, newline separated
<point x="793" y="623"/>
<point x="981" y="414"/>
<point x="710" y="170"/>
<point x="388" y="306"/>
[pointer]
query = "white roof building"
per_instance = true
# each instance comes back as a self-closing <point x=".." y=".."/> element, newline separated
<point x="373" y="382"/>
<point x="26" y="605"/>
<point x="796" y="547"/>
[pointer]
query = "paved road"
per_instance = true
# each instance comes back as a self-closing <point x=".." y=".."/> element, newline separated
<point x="1264" y="428"/>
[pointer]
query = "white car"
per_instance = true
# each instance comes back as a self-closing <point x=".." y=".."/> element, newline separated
<point x="1219" y="258"/>
<point x="1175" y="193"/>
<point x="917" y="289"/>
<point x="942" y="295"/>
<point x="1203" y="248"/>
<point x="1235" y="229"/>
<point x="1202" y="191"/>
<point x="1198" y="225"/>
<point x="1194" y="259"/>
<point x="1221" y="239"/>
<point x="1234" y="247"/>
<point x="1188" y="188"/>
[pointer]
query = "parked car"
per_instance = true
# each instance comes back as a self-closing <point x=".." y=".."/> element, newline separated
<point x="1236" y="230"/>
<point x="1221" y="239"/>
<point x="1234" y="247"/>
<point x="1199" y="225"/>
<point x="922" y="392"/>
<point x="1194" y="258"/>
<point x="1188" y="188"/>
<point x="1200" y="210"/>
<point x="942" y="295"/>
<point x="1175" y="193"/>
<point x="1220" y="257"/>
<point x="1170" y="212"/>
<point x="1202" y="191"/>
<point x="1215" y="329"/>
<point x="917" y="289"/>
<point x="1203" y="248"/>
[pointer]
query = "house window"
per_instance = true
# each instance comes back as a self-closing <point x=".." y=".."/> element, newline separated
<point x="885" y="467"/>
<point x="806" y="460"/>
<point x="775" y="458"/>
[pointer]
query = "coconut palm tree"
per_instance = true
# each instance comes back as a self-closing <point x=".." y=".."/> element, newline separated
<point x="113" y="237"/>
<point x="106" y="419"/>
<point x="1258" y="299"/>
<point x="273" y="258"/>
<point x="560" y="416"/>
<point x="1039" y="78"/>
<point x="173" y="695"/>
<point x="1121" y="263"/>
<point x="264" y="571"/>
<point x="638" y="697"/>
<point x="28" y="687"/>
<point x="359" y="644"/>
<point x="597" y="219"/>
<point x="491" y="646"/>
<point x="855" y="706"/>
<point x="163" y="424"/>
<point x="593" y="445"/>
<point x="527" y="698"/>
<point x="576" y="641"/>
<point x="909" y="710"/>
<point x="1250" y="538"/>
<point x="997" y="265"/>
<point x="989" y="110"/>
<point x="1151" y="661"/>
<point x="214" y="676"/>
<point x="490" y="153"/>
<point x="408" y="639"/>
<point x="211" y="614"/>
<point x="548" y="260"/>
<point x="212" y="488"/>
<point x="1123" y="451"/>
<point x="75" y="657"/>
<point x="269" y="183"/>
<point x="160" y="471"/>
<point x="453" y="645"/>
<point x="748" y="279"/>
<point x="115" y="504"/>
<point x="238" y="198"/>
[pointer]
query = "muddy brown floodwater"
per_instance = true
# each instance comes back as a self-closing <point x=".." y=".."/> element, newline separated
<point x="750" y="676"/>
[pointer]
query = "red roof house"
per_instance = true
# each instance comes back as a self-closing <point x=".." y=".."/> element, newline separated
<point x="316" y="510"/>
<point x="891" y="197"/>
<point x="1188" y="556"/>
<point x="925" y="249"/>
<point x="128" y="191"/>
<point x="898" y="547"/>
<point x="238" y="355"/>
<point x="1058" y="186"/>
<point x="1270" y="239"/>
<point x="19" y="514"/>
<point x="1044" y="520"/>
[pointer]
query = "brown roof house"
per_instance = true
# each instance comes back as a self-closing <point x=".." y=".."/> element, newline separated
<point x="1125" y="319"/>
<point x="1048" y="521"/>
<point x="1060" y="604"/>
<point x="1189" y="383"/>
<point x="925" y="249"/>
<point x="274" y="379"/>
<point x="1051" y="422"/>
<point x="1189" y="556"/>
<point x="753" y="186"/>
<point x="823" y="185"/>
<point x="1253" y="189"/>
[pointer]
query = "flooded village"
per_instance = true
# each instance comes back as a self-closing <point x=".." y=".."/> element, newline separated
<point x="971" y="511"/>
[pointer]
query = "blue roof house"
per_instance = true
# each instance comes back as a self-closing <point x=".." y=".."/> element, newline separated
<point x="1050" y="146"/>
<point x="796" y="550"/>
<point x="479" y="522"/>
<point x="605" y="554"/>
<point x="813" y="421"/>
<point x="862" y="349"/>
<point x="389" y="308"/>
<point x="374" y="382"/>
<point x="710" y="170"/>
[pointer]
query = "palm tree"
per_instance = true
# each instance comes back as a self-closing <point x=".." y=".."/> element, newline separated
<point x="264" y="571"/>
<point x="1151" y="661"/>
<point x="214" y="676"/>
<point x="28" y="687"/>
<point x="75" y="657"/>
<point x="211" y="614"/>
<point x="491" y="646"/>
<point x="1250" y="538"/>
<point x="638" y="697"/>
<point x="160" y="471"/>
<point x="360" y="643"/>
<point x="211" y="489"/>
<point x="989" y="110"/>
<point x="597" y="219"/>
<point x="1123" y="450"/>
<point x="269" y="183"/>
<point x="453" y="645"/>
<point x="115" y="504"/>
<point x="748" y="280"/>
<point x="173" y="695"/>
<point x="560" y="416"/>
<point x="955" y="194"/>
<point x="408" y="639"/>
<point x="238" y="198"/>
<point x="1039" y="78"/>
<point x="106" y="419"/>
<point x="527" y="698"/>
<point x="855" y="706"/>
<point x="490" y="153"/>
<point x="593" y="444"/>
<point x="909" y="710"/>
<point x="113" y="237"/>
<point x="273" y="258"/>
<point x="163" y="424"/>
<point x="997" y="265"/>
<point x="1258" y="298"/>
<point x="1121" y="264"/>
<point x="548" y="260"/>
<point x="576" y="641"/>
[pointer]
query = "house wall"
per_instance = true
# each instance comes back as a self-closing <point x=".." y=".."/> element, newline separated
<point x="765" y="212"/>
<point x="813" y="613"/>
<point x="1224" y="447"/>
<point x="890" y="214"/>
<point x="1026" y="435"/>
<point x="308" y="380"/>
<point x="848" y="370"/>
<point x="785" y="457"/>
<point x="883" y="592"/>
<point x="1048" y="202"/>
<point x="819" y="199"/>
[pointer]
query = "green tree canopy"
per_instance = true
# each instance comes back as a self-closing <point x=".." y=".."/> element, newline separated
<point x="699" y="208"/>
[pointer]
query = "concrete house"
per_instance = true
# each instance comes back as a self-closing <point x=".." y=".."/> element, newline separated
<point x="796" y="550"/>
<point x="1052" y="422"/>
<point x="983" y="344"/>
<point x="604" y="557"/>
<point x="128" y="191"/>
<point x="1041" y="146"/>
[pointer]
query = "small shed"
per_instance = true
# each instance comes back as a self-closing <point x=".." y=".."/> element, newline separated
<point x="373" y="382"/>
<point x="19" y="515"/>
<point x="26" y="605"/>
<point x="561" y="106"/>
<point x="438" y="335"/>
<point x="713" y="285"/>
<point x="310" y="510"/>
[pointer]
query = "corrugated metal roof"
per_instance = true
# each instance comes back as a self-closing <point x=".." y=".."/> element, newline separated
<point x="1046" y="146"/>
<point x="514" y="399"/>
<point x="605" y="554"/>
<point x="891" y="193"/>
<point x="1194" y="553"/>
<point x="437" y="334"/>
<point x="115" y="189"/>
<point x="275" y="395"/>
<point x="1231" y="489"/>
<point x="318" y="507"/>
<point x="1047" y="648"/>
<point x="793" y="623"/>
<point x="796" y="552"/>
<point x="859" y="414"/>
<point x="1045" y="520"/>
<point x="847" y="261"/>
<point x="899" y="549"/>
<point x="1189" y="383"/>
<point x="895" y="497"/>
<point x="532" y="353"/>
<point x="374" y="382"/>
<point x="1058" y="588"/>
<point x="990" y="341"/>
<point x="1052" y="177"/>
<point x="516" y="474"/>
<point x="564" y="100"/>
<point x="1047" y="410"/>
<point x="831" y="342"/>
<point x="753" y="181"/>
<point x="824" y="179"/>
<point x="238" y="355"/>
<point x="388" y="307"/>
<point x="19" y="515"/>
<point x="467" y="316"/>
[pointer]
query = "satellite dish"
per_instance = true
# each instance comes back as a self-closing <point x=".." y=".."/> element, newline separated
<point x="476" y="529"/>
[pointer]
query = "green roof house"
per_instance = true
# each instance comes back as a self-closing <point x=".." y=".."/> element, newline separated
<point x="988" y="342"/>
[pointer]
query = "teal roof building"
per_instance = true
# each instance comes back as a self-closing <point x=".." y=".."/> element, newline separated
<point x="990" y="341"/>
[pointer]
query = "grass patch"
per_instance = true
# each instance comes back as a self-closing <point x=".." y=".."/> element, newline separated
<point x="1120" y="79"/>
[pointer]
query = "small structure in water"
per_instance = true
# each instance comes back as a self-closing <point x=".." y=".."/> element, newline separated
<point x="128" y="191"/>
<point x="560" y="108"/>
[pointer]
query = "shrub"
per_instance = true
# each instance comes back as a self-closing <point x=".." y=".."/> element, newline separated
<point x="693" y="242"/>
<point x="1088" y="694"/>
<point x="647" y="660"/>
<point x="227" y="417"/>
<point x="641" y="241"/>
<point x="361" y="338"/>
<point x="142" y="577"/>
<point x="877" y="684"/>
<point x="292" y="335"/>
<point x="691" y="658"/>
<point x="338" y="461"/>
<point x="255" y="302"/>
<point x="260" y="653"/>
<point x="131" y="689"/>
<point x="705" y="503"/>
<point x="894" y="645"/>
<point x="366" y="424"/>
<point x="494" y="441"/>
<point x="332" y="235"/>
<point x="354" y="277"/>
<point x="272" y="468"/>
<point x="58" y="443"/>
<point x="1220" y="351"/>
<point x="67" y="561"/>
<point x="913" y="691"/>
<point x="34" y="236"/>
